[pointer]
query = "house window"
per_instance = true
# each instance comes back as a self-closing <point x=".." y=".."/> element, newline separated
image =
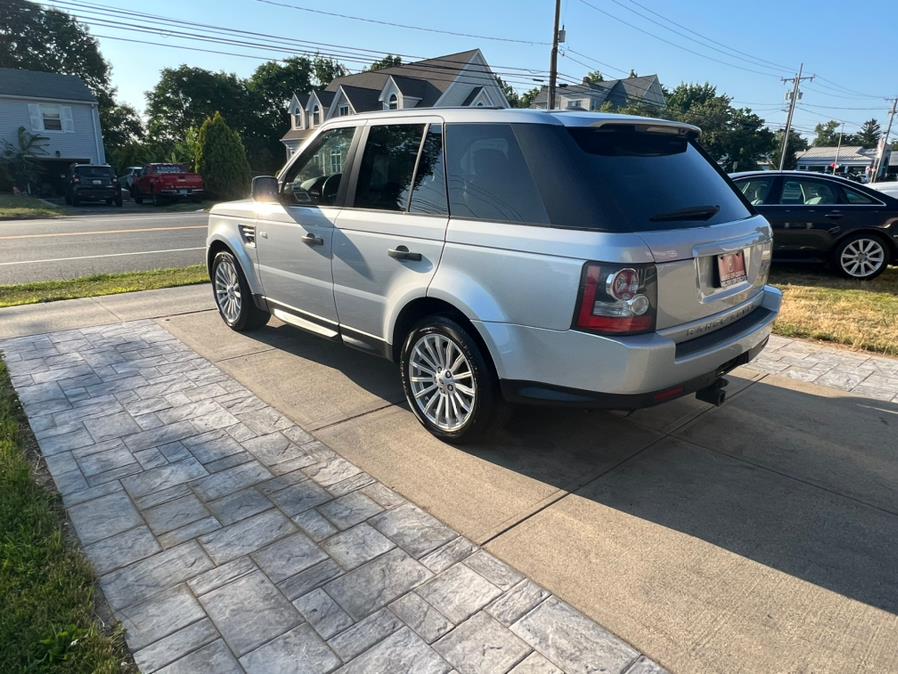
<point x="393" y="102"/>
<point x="316" y="116"/>
<point x="343" y="110"/>
<point x="297" y="120"/>
<point x="575" y="104"/>
<point x="52" y="118"/>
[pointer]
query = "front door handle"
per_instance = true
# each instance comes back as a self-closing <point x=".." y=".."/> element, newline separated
<point x="834" y="214"/>
<point x="312" y="240"/>
<point x="402" y="253"/>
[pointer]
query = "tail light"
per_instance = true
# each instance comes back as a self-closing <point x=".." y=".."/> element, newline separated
<point x="617" y="299"/>
<point x="76" y="179"/>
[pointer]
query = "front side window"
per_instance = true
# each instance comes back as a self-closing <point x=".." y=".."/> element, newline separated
<point x="808" y="192"/>
<point x="489" y="178"/>
<point x="52" y="117"/>
<point x="755" y="189"/>
<point x="388" y="164"/>
<point x="314" y="178"/>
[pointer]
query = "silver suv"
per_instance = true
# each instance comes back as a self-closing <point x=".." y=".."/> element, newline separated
<point x="521" y="256"/>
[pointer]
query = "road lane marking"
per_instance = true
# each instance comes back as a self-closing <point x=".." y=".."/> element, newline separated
<point x="108" y="231"/>
<point x="94" y="257"/>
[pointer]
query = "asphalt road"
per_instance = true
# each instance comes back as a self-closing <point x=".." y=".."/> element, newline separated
<point x="84" y="245"/>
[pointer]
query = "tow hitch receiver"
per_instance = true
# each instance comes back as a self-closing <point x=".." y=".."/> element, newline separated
<point x="713" y="394"/>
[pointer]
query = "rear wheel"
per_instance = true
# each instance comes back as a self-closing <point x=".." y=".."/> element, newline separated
<point x="156" y="200"/>
<point x="861" y="256"/>
<point x="448" y="382"/>
<point x="232" y="295"/>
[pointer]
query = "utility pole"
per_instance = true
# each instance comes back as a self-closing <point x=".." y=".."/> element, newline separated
<point x="878" y="166"/>
<point x="838" y="148"/>
<point x="553" y="69"/>
<point x="793" y="99"/>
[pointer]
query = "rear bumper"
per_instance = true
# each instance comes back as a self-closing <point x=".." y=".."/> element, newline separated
<point x="96" y="192"/>
<point x="181" y="191"/>
<point x="626" y="371"/>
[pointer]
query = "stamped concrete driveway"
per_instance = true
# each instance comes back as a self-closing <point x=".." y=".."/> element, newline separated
<point x="761" y="536"/>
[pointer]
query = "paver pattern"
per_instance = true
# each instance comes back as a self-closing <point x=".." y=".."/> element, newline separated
<point x="228" y="539"/>
<point x="856" y="372"/>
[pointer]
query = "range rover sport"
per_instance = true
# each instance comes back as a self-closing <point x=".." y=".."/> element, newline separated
<point x="522" y="256"/>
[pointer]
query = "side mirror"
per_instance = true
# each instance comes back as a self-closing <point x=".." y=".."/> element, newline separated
<point x="265" y="188"/>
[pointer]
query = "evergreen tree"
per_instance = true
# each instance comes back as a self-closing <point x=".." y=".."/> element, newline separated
<point x="221" y="159"/>
<point x="869" y="134"/>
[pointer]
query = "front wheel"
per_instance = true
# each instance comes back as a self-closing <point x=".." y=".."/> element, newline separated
<point x="448" y="382"/>
<point x="232" y="295"/>
<point x="861" y="256"/>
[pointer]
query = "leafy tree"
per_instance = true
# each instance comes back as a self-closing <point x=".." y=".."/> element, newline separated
<point x="827" y="134"/>
<point x="18" y="160"/>
<point x="48" y="40"/>
<point x="869" y="133"/>
<point x="511" y="95"/>
<point x="795" y="145"/>
<point x="593" y="77"/>
<point x="526" y="99"/>
<point x="387" y="61"/>
<point x="221" y="159"/>
<point x="327" y="70"/>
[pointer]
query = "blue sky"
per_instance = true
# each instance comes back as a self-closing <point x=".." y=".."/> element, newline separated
<point x="854" y="53"/>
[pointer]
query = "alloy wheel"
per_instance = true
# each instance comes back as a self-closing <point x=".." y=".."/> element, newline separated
<point x="862" y="257"/>
<point x="227" y="290"/>
<point x="442" y="382"/>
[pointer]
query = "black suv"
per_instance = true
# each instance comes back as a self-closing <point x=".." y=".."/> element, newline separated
<point x="92" y="182"/>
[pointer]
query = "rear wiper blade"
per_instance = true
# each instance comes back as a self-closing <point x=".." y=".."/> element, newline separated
<point x="693" y="213"/>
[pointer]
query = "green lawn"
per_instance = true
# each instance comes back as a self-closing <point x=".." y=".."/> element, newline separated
<point x="16" y="207"/>
<point x="858" y="314"/>
<point x="105" y="284"/>
<point x="47" y="610"/>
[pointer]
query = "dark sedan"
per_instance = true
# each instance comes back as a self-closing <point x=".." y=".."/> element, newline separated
<point x="823" y="218"/>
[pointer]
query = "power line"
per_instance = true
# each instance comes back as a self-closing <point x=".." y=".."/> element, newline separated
<point x="568" y="50"/>
<point x="393" y="24"/>
<point x="674" y="44"/>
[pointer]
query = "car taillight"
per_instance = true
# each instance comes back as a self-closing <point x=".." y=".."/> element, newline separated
<point x="76" y="179"/>
<point x="617" y="299"/>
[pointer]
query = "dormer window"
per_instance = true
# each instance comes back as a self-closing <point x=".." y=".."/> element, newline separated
<point x="343" y="110"/>
<point x="393" y="102"/>
<point x="297" y="119"/>
<point x="316" y="116"/>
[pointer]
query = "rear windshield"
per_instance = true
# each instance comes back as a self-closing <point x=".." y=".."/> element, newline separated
<point x="614" y="179"/>
<point x="93" y="171"/>
<point x="170" y="168"/>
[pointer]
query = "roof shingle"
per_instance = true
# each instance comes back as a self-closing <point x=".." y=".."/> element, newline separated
<point x="37" y="84"/>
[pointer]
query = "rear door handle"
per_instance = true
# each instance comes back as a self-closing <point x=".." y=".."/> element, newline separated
<point x="312" y="240"/>
<point x="402" y="253"/>
<point x="834" y="214"/>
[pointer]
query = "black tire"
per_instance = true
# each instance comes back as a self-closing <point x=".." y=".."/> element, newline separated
<point x="487" y="404"/>
<point x="75" y="201"/>
<point x="118" y="201"/>
<point x="135" y="194"/>
<point x="868" y="244"/>
<point x="250" y="317"/>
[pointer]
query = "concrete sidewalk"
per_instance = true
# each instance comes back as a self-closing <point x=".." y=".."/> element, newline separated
<point x="760" y="536"/>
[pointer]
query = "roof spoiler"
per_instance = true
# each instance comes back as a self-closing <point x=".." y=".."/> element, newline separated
<point x="649" y="125"/>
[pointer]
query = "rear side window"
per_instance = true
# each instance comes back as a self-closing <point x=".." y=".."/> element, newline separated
<point x="855" y="197"/>
<point x="755" y="189"/>
<point x="805" y="192"/>
<point x="489" y="178"/>
<point x="650" y="180"/>
<point x="429" y="192"/>
<point x="388" y="164"/>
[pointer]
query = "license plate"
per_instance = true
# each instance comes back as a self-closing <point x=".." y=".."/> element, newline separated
<point x="731" y="267"/>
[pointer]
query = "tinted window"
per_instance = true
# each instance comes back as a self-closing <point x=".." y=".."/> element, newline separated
<point x="94" y="171"/>
<point x="429" y="192"/>
<point x="808" y="192"/>
<point x="755" y="189"/>
<point x="489" y="178"/>
<point x="388" y="163"/>
<point x="642" y="180"/>
<point x="855" y="197"/>
<point x="314" y="178"/>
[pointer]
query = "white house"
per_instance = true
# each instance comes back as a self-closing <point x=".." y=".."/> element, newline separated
<point x="453" y="80"/>
<point x="58" y="107"/>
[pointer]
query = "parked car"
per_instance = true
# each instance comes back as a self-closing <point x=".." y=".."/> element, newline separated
<point x="92" y="182"/>
<point x="131" y="174"/>
<point x="166" y="182"/>
<point x="547" y="258"/>
<point x="823" y="218"/>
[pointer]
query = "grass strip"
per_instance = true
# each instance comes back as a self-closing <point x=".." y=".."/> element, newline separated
<point x="47" y="611"/>
<point x="14" y="207"/>
<point x="104" y="284"/>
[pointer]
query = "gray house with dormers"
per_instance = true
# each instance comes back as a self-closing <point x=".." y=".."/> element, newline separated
<point x="645" y="90"/>
<point x="462" y="79"/>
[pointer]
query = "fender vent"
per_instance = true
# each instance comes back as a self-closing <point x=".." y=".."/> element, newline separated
<point x="248" y="234"/>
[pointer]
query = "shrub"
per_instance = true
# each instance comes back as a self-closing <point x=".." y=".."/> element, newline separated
<point x="221" y="159"/>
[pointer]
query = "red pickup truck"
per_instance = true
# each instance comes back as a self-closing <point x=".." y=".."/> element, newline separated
<point x="165" y="182"/>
